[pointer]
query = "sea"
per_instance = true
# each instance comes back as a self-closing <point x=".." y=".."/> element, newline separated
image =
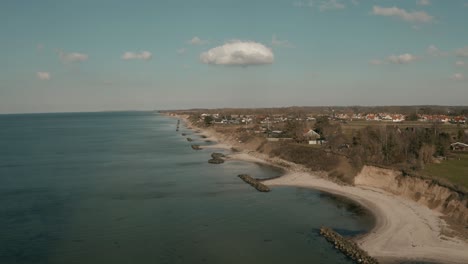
<point x="126" y="187"/>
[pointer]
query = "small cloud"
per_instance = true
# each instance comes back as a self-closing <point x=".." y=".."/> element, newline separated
<point x="460" y="63"/>
<point x="280" y="43"/>
<point x="197" y="41"/>
<point x="72" y="57"/>
<point x="39" y="47"/>
<point x="355" y="2"/>
<point x="43" y="76"/>
<point x="376" y="62"/>
<point x="143" y="55"/>
<point x="324" y="5"/>
<point x="434" y="51"/>
<point x="181" y="51"/>
<point x="463" y="52"/>
<point x="458" y="77"/>
<point x="331" y="5"/>
<point x="424" y="2"/>
<point x="415" y="16"/>
<point x="402" y="59"/>
<point x="238" y="53"/>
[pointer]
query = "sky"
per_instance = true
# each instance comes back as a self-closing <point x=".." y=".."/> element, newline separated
<point x="99" y="55"/>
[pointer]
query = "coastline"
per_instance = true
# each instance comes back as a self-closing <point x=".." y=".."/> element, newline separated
<point x="404" y="230"/>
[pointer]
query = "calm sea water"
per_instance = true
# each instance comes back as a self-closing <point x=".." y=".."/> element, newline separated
<point x="127" y="188"/>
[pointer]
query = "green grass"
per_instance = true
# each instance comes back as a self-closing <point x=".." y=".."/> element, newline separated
<point x="355" y="125"/>
<point x="455" y="170"/>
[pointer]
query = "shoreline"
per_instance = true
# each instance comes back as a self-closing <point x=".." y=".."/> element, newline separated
<point x="403" y="230"/>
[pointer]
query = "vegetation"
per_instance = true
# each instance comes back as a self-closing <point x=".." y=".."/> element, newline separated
<point x="455" y="169"/>
<point x="410" y="146"/>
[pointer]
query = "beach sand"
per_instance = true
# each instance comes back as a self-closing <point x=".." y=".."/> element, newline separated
<point x="404" y="230"/>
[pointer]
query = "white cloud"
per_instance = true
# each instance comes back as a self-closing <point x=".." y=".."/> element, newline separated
<point x="433" y="50"/>
<point x="424" y="2"/>
<point x="44" y="76"/>
<point x="402" y="59"/>
<point x="181" y="51"/>
<point x="355" y="2"/>
<point x="143" y="55"/>
<point x="197" y="41"/>
<point x="280" y="43"/>
<point x="331" y="5"/>
<point x="72" y="57"/>
<point x="416" y="16"/>
<point x="324" y="5"/>
<point x="241" y="53"/>
<point x="458" y="77"/>
<point x="463" y="52"/>
<point x="460" y="63"/>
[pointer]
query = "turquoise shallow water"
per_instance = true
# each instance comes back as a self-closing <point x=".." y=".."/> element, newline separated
<point x="125" y="187"/>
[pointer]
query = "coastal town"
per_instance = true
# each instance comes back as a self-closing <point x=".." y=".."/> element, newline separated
<point x="277" y="126"/>
<point x="218" y="118"/>
<point x="419" y="157"/>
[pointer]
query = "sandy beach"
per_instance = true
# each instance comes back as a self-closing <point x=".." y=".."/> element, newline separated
<point x="404" y="230"/>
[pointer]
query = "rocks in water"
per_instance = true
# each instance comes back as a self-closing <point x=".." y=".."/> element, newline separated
<point x="196" y="147"/>
<point x="217" y="155"/>
<point x="347" y="247"/>
<point x="203" y="136"/>
<point x="216" y="161"/>
<point x="183" y="134"/>
<point x="216" y="158"/>
<point x="254" y="183"/>
<point x="189" y="139"/>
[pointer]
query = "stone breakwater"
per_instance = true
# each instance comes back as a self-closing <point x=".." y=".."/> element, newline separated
<point x="254" y="183"/>
<point x="217" y="158"/>
<point x="346" y="246"/>
<point x="196" y="147"/>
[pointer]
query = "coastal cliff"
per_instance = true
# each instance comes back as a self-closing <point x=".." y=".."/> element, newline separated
<point x="449" y="202"/>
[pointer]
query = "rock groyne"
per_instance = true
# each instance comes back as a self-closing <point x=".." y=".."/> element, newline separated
<point x="254" y="183"/>
<point x="196" y="147"/>
<point x="346" y="246"/>
<point x="217" y="158"/>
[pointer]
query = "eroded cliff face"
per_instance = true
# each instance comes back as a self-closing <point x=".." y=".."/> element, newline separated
<point x="424" y="191"/>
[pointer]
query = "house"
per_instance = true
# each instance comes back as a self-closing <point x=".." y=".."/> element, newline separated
<point x="310" y="134"/>
<point x="318" y="141"/>
<point x="459" y="146"/>
<point x="458" y="120"/>
<point x="372" y="117"/>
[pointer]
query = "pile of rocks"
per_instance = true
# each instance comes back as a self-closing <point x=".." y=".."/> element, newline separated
<point x="217" y="158"/>
<point x="196" y="147"/>
<point x="347" y="247"/>
<point x="189" y="139"/>
<point x="254" y="183"/>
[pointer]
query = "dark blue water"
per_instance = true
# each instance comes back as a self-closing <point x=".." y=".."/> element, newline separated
<point x="126" y="188"/>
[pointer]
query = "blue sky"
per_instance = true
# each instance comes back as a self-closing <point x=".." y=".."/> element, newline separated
<point x="117" y="55"/>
